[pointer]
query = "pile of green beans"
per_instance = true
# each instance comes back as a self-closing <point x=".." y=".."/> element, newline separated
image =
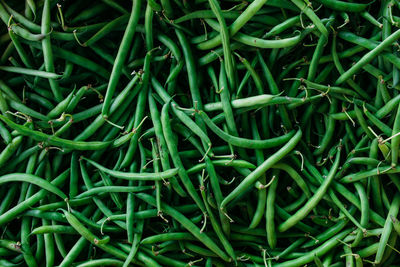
<point x="199" y="133"/>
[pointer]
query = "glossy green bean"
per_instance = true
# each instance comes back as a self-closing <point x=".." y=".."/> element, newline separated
<point x="135" y="176"/>
<point x="387" y="229"/>
<point x="243" y="142"/>
<point x="368" y="57"/>
<point x="108" y="189"/>
<point x="313" y="201"/>
<point x="188" y="225"/>
<point x="250" y="179"/>
<point x="244" y="17"/>
<point x="53" y="140"/>
<point x="121" y="56"/>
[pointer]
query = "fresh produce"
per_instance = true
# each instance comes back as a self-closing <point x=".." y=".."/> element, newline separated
<point x="199" y="133"/>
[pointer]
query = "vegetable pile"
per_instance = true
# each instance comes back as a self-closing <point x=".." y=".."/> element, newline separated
<point x="199" y="133"/>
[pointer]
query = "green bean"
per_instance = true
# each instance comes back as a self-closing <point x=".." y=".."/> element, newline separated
<point x="371" y="19"/>
<point x="24" y="21"/>
<point x="213" y="55"/>
<point x="53" y="140"/>
<point x="8" y="91"/>
<point x="45" y="215"/>
<point x="191" y="125"/>
<point x="368" y="57"/>
<point x="343" y="6"/>
<point x="217" y="192"/>
<point x="10" y="149"/>
<point x="328" y="88"/>
<point x="23" y="177"/>
<point x="100" y="204"/>
<point x="30" y="9"/>
<point x="378" y="123"/>
<point x="295" y="176"/>
<point x="121" y="56"/>
<point x="76" y="98"/>
<point x="199" y="250"/>
<point x="24" y="205"/>
<point x="39" y="100"/>
<point x="244" y="17"/>
<point x="341" y="70"/>
<point x="312" y="16"/>
<point x="396" y="224"/>
<point x="282" y="26"/>
<point x="363" y="161"/>
<point x="395" y="140"/>
<point x="169" y="138"/>
<point x="327" y="246"/>
<point x="222" y="163"/>
<point x="101" y="262"/>
<point x="135" y="176"/>
<point x="163" y="149"/>
<point x="364" y="212"/>
<point x="11" y="245"/>
<point x="388" y="107"/>
<point x="49" y="246"/>
<point x="387" y="229"/>
<point x="188" y="225"/>
<point x="363" y="122"/>
<point x="117" y="103"/>
<point x="219" y="230"/>
<point x="255" y="102"/>
<point x="37" y="73"/>
<point x="364" y="174"/>
<point x="88" y="13"/>
<point x="136" y="238"/>
<point x="250" y="179"/>
<point x="262" y="43"/>
<point x="47" y="50"/>
<point x="225" y="100"/>
<point x="26" y="110"/>
<point x="78" y="60"/>
<point x="296" y="204"/>
<point x="369" y="44"/>
<point x="139" y="113"/>
<point x="167" y="237"/>
<point x="61" y="106"/>
<point x="74" y="252"/>
<point x="84" y="232"/>
<point x="375" y="181"/>
<point x="195" y="93"/>
<point x="8" y="198"/>
<point x="21" y="52"/>
<point x="7" y="54"/>
<point x="107" y="28"/>
<point x="115" y="197"/>
<point x="102" y="189"/>
<point x="243" y="142"/>
<point x="313" y="201"/>
<point x="225" y="43"/>
<point x="3" y="105"/>
<point x="342" y="208"/>
<point x="274" y="90"/>
<point x="206" y="14"/>
<point x="270" y="213"/>
<point x="61" y="229"/>
<point x="301" y="226"/>
<point x="26" y="250"/>
<point x="26" y="34"/>
<point x="330" y="232"/>
<point x="164" y="260"/>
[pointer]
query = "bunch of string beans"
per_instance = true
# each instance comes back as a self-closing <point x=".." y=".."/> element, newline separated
<point x="199" y="133"/>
